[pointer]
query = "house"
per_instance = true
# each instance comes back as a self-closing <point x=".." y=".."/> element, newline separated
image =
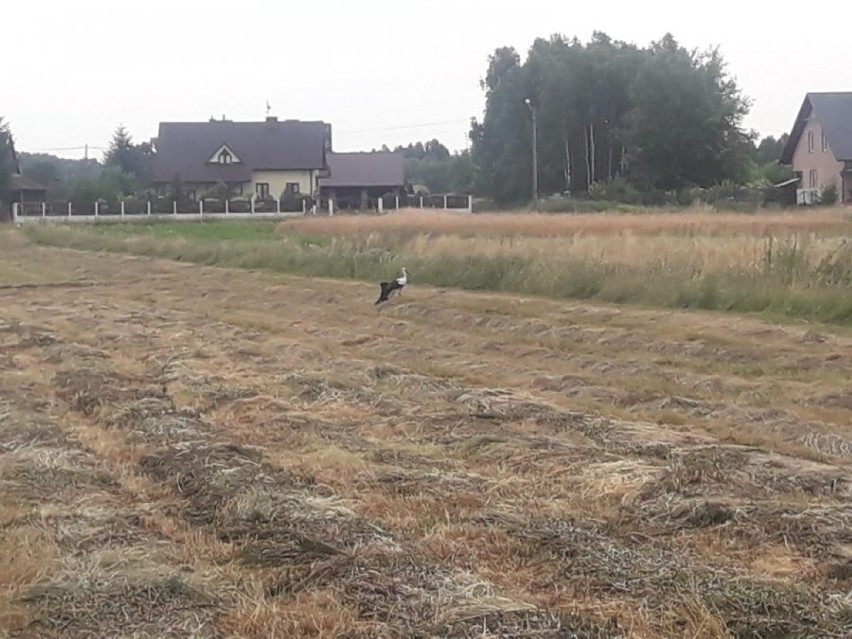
<point x="358" y="180"/>
<point x="20" y="188"/>
<point x="820" y="146"/>
<point x="267" y="159"/>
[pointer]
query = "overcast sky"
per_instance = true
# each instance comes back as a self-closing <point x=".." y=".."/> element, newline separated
<point x="380" y="71"/>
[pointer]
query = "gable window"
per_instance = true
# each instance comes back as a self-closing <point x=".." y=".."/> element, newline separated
<point x="262" y="190"/>
<point x="224" y="155"/>
<point x="810" y="141"/>
<point x="812" y="178"/>
<point x="292" y="187"/>
<point x="824" y="142"/>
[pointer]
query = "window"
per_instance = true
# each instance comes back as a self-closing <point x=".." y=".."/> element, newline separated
<point x="262" y="190"/>
<point x="810" y="141"/>
<point x="824" y="142"/>
<point x="812" y="179"/>
<point x="292" y="187"/>
<point x="225" y="156"/>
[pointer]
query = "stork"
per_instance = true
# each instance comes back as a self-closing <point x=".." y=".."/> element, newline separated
<point x="394" y="286"/>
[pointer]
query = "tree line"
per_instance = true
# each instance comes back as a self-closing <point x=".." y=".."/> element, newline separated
<point x="653" y="119"/>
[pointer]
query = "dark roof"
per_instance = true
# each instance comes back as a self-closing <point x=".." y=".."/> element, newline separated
<point x="834" y="113"/>
<point x="20" y="182"/>
<point x="183" y="148"/>
<point x="365" y="169"/>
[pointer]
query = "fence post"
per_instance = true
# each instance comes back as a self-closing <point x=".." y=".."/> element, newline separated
<point x="149" y="207"/>
<point x="381" y="204"/>
<point x="278" y="205"/>
<point x="397" y="202"/>
<point x="227" y="206"/>
<point x="174" y="207"/>
<point x="421" y="201"/>
<point x="445" y="202"/>
<point x="122" y="208"/>
<point x="43" y="209"/>
<point x="97" y="207"/>
<point x="201" y="207"/>
<point x="69" y="208"/>
<point x="470" y="204"/>
<point x="15" y="212"/>
<point x="252" y="206"/>
<point x="330" y="206"/>
<point x="304" y="207"/>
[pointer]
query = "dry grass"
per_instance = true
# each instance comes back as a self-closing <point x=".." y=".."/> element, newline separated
<point x="258" y="456"/>
<point x="691" y="223"/>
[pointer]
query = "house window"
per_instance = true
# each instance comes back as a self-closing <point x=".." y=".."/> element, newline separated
<point x="810" y="141"/>
<point x="262" y="190"/>
<point x="292" y="187"/>
<point x="812" y="178"/>
<point x="824" y="142"/>
<point x="225" y="157"/>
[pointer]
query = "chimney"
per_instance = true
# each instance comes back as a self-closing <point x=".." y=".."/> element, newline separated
<point x="271" y="118"/>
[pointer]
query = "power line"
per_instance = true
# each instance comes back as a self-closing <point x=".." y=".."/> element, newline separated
<point x="66" y="148"/>
<point x="402" y="127"/>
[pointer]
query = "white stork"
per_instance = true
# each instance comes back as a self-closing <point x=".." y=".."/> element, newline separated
<point x="394" y="286"/>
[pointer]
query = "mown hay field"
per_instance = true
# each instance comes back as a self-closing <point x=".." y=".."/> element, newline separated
<point x="191" y="450"/>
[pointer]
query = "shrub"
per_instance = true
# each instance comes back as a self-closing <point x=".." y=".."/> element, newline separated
<point x="615" y="190"/>
<point x="828" y="194"/>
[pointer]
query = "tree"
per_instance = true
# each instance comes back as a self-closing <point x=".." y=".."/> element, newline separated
<point x="132" y="159"/>
<point x="432" y="165"/>
<point x="685" y="124"/>
<point x="769" y="149"/>
<point x="661" y="117"/>
<point x="8" y="166"/>
<point x="501" y="143"/>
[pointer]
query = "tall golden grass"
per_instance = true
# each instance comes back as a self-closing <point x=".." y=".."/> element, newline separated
<point x="698" y="222"/>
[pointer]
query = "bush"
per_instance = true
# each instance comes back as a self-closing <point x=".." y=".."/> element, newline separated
<point x="560" y="204"/>
<point x="615" y="190"/>
<point x="828" y="195"/>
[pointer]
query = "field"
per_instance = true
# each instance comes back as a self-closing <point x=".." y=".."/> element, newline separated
<point x="797" y="266"/>
<point x="189" y="450"/>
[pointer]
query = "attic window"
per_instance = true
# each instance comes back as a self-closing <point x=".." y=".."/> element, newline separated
<point x="224" y="155"/>
<point x="810" y="141"/>
<point x="824" y="142"/>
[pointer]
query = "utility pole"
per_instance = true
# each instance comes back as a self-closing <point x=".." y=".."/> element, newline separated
<point x="534" y="152"/>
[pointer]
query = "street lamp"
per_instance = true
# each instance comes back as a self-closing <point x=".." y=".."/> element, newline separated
<point x="529" y="103"/>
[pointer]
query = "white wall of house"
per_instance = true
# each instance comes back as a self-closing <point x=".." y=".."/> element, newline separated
<point x="278" y="180"/>
<point x="816" y="162"/>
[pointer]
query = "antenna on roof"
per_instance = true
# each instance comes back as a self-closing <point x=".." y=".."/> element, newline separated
<point x="267" y="108"/>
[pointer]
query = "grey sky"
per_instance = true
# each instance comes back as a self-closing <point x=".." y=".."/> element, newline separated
<point x="379" y="70"/>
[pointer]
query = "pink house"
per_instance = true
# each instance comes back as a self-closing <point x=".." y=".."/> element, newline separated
<point x="820" y="146"/>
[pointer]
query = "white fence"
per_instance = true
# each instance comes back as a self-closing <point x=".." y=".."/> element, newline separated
<point x="68" y="212"/>
<point x="807" y="196"/>
<point x="221" y="209"/>
<point x="455" y="203"/>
